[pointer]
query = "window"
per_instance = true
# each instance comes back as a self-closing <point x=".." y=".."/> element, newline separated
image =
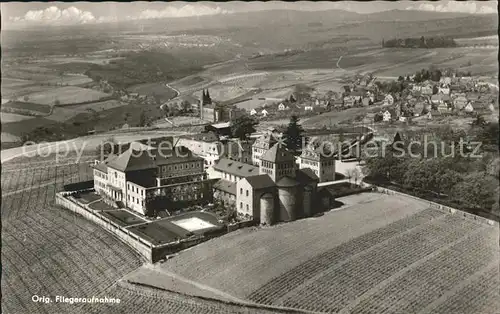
<point x="116" y="175"/>
<point x="241" y="191"/>
<point x="248" y="208"/>
<point x="133" y="199"/>
<point x="241" y="205"/>
<point x="142" y="192"/>
<point x="247" y="194"/>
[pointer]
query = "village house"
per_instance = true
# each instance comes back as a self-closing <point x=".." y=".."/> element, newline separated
<point x="308" y="108"/>
<point x="469" y="108"/>
<point x="427" y="89"/>
<point x="281" y="107"/>
<point x="388" y="115"/>
<point x="204" y="145"/>
<point x="444" y="89"/>
<point x="460" y="102"/>
<point x="389" y="99"/>
<point x="253" y="112"/>
<point x="366" y="101"/>
<point x="264" y="113"/>
<point x="444" y="107"/>
<point x="418" y="108"/>
<point x="349" y="101"/>
<point x="445" y="80"/>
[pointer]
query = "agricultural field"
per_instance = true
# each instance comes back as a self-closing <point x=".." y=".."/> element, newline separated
<point x="99" y="106"/>
<point x="159" y="90"/>
<point x="66" y="96"/>
<point x="27" y="106"/>
<point x="13" y="117"/>
<point x="7" y="137"/>
<point x="409" y="257"/>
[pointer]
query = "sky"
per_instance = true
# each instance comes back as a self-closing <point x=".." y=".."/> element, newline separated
<point x="20" y="14"/>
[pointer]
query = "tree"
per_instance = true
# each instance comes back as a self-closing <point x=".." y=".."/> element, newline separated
<point x="293" y="135"/>
<point x="26" y="98"/>
<point x="243" y="126"/>
<point x="477" y="190"/>
<point x="57" y="102"/>
<point x="142" y="119"/>
<point x="166" y="110"/>
<point x="209" y="100"/>
<point x="401" y="78"/>
<point x="185" y="106"/>
<point x="356" y="175"/>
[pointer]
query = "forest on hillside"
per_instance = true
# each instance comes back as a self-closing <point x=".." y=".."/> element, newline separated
<point x="422" y="42"/>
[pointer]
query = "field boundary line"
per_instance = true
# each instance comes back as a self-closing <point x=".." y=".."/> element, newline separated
<point x="31" y="187"/>
<point x="194" y="283"/>
<point x="352" y="257"/>
<point x="474" y="277"/>
<point x="155" y="292"/>
<point x="403" y="271"/>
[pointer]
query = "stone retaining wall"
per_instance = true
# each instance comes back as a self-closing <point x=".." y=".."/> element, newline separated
<point x="439" y="206"/>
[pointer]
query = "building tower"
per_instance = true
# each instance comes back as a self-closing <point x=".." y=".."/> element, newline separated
<point x="277" y="162"/>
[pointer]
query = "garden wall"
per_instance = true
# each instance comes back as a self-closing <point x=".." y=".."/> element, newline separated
<point x="438" y="206"/>
<point x="141" y="246"/>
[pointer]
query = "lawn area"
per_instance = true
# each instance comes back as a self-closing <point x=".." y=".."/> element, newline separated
<point x="87" y="197"/>
<point x="159" y="90"/>
<point x="122" y="217"/>
<point x="101" y="206"/>
<point x="66" y="96"/>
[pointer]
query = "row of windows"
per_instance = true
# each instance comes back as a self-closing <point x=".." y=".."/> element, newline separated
<point x="136" y="200"/>
<point x="100" y="174"/>
<point x="310" y="163"/>
<point x="182" y="166"/>
<point x="241" y="191"/>
<point x="188" y="197"/>
<point x="282" y="172"/>
<point x="135" y="189"/>
<point x="246" y="207"/>
<point x="270" y="172"/>
<point x="231" y="177"/>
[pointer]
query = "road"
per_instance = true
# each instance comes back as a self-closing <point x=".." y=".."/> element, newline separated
<point x="85" y="143"/>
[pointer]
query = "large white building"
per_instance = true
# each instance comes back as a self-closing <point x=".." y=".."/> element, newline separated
<point x="148" y="179"/>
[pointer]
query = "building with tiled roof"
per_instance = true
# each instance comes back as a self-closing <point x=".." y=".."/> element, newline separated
<point x="261" y="145"/>
<point x="152" y="179"/>
<point x="278" y="192"/>
<point x="233" y="170"/>
<point x="320" y="160"/>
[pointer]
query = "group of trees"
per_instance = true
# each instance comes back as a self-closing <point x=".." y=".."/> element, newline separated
<point x="468" y="180"/>
<point x="422" y="42"/>
<point x="244" y="126"/>
<point x="432" y="74"/>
